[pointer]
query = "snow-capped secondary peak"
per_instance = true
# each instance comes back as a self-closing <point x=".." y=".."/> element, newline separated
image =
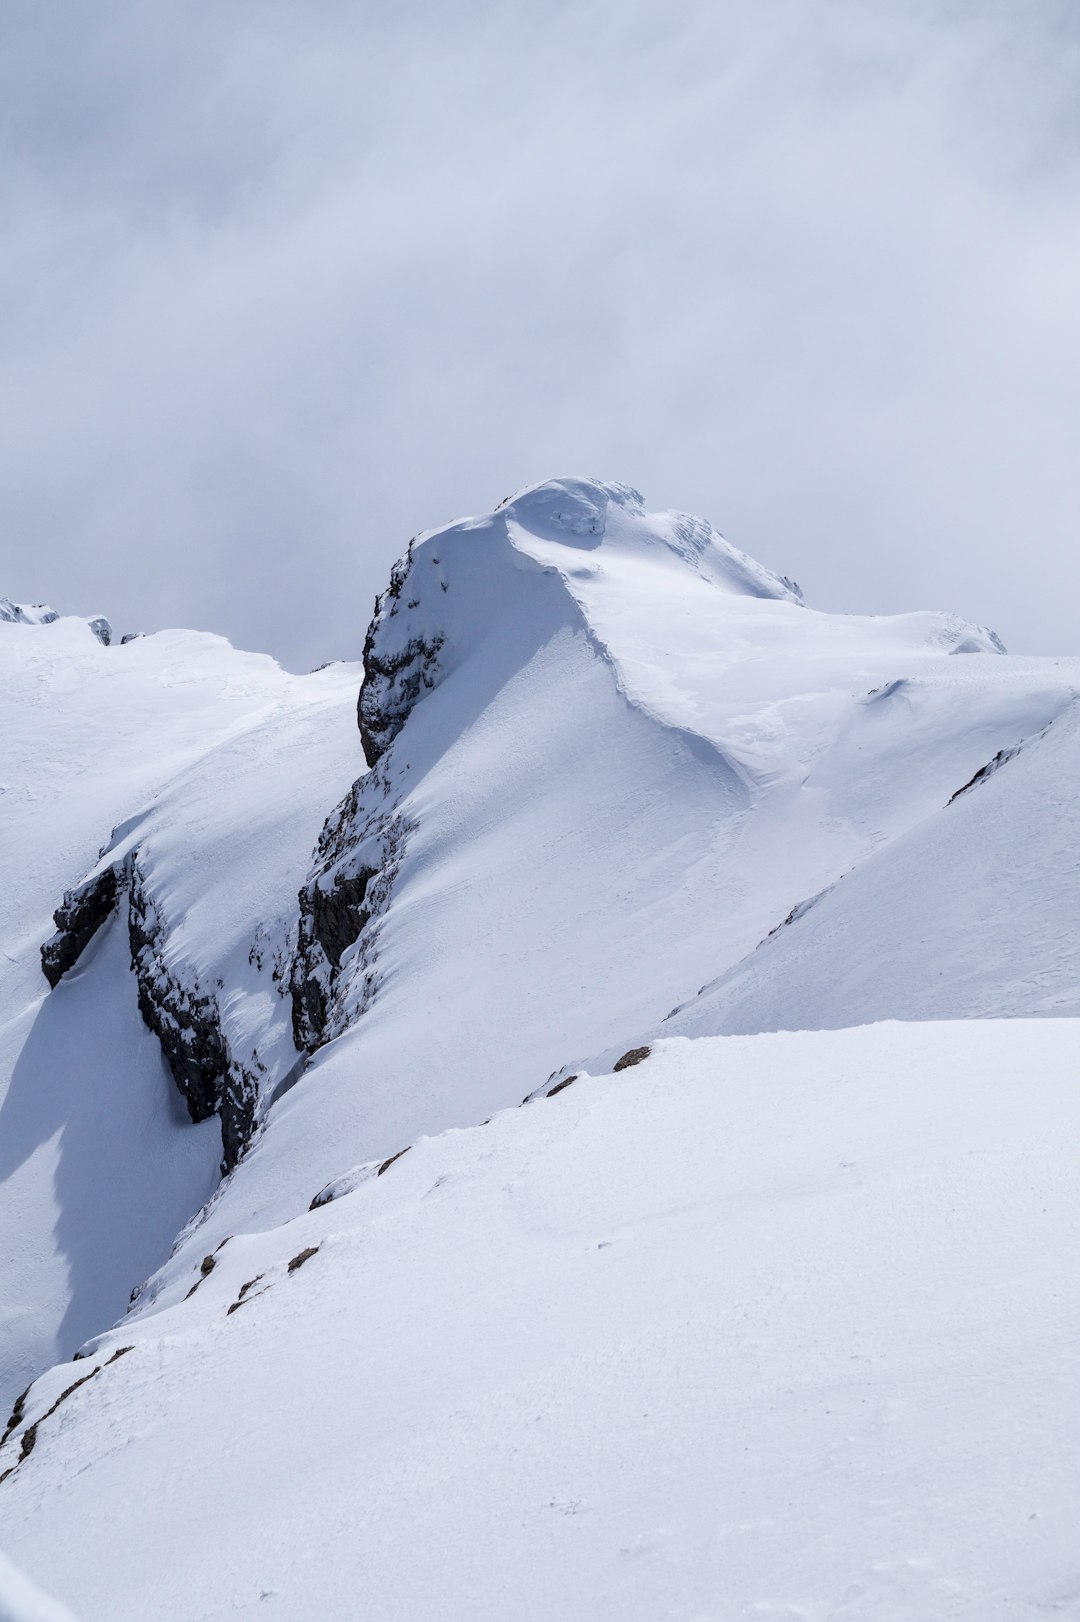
<point x="41" y="614"/>
<point x="26" y="613"/>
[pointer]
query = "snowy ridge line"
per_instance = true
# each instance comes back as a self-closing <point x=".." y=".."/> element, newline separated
<point x="334" y="978"/>
<point x="146" y="1302"/>
<point x="742" y="784"/>
<point x="41" y="614"/>
<point x="1003" y="756"/>
<point x="26" y="613"/>
<point x="801" y="909"/>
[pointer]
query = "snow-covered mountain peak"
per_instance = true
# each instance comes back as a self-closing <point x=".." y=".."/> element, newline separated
<point x="554" y="553"/>
<point x="41" y="614"/>
<point x="26" y="613"/>
<point x="612" y="520"/>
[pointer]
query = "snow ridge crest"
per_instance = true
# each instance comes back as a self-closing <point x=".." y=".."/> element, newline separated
<point x="452" y="584"/>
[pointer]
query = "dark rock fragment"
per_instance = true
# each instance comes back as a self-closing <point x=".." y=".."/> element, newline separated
<point x="631" y="1057"/>
<point x="559" y="1085"/>
<point x="302" y="1257"/>
<point x="78" y="918"/>
<point x="388" y="1163"/>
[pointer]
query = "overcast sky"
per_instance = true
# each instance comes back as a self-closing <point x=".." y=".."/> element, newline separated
<point x="282" y="283"/>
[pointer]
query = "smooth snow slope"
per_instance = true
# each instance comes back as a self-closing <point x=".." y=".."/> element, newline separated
<point x="178" y="733"/>
<point x="21" y="1600"/>
<point x="972" y="914"/>
<point x="622" y="754"/>
<point x="769" y="1327"/>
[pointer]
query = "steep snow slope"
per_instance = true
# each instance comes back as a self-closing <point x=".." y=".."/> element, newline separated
<point x="761" y="1327"/>
<point x="611" y="754"/>
<point x="973" y="913"/>
<point x="195" y="747"/>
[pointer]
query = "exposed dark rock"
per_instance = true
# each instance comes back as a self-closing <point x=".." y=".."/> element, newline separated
<point x="243" y="1295"/>
<point x="181" y="1013"/>
<point x="78" y="918"/>
<point x="338" y="913"/>
<point x="632" y="1057"/>
<point x="184" y="1017"/>
<point x="302" y="1257"/>
<point x="392" y="685"/>
<point x="999" y="760"/>
<point x="394" y="676"/>
<point x="101" y="629"/>
<point x="388" y="1163"/>
<point x="356" y="862"/>
<point x="559" y="1085"/>
<point x="17" y="1413"/>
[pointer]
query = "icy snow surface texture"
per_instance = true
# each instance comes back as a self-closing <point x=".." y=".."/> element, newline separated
<point x="743" y="1325"/>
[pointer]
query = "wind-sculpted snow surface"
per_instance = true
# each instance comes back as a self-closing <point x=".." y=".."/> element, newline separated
<point x="759" y="1327"/>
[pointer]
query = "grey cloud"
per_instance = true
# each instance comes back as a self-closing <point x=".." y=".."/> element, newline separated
<point x="280" y="285"/>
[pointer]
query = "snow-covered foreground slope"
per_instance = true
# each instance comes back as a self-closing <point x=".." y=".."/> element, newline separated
<point x="196" y="745"/>
<point x="21" y="1600"/>
<point x="760" y="1327"/>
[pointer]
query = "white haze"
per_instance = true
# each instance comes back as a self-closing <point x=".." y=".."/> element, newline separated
<point x="281" y="285"/>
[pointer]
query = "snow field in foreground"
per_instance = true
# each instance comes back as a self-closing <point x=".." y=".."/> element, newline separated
<point x="769" y="1327"/>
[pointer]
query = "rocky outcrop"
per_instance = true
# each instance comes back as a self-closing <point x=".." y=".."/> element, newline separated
<point x="78" y="918"/>
<point x="182" y="1017"/>
<point x="185" y="1018"/>
<point x="182" y="1013"/>
<point x="397" y="668"/>
<point x="334" y="974"/>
